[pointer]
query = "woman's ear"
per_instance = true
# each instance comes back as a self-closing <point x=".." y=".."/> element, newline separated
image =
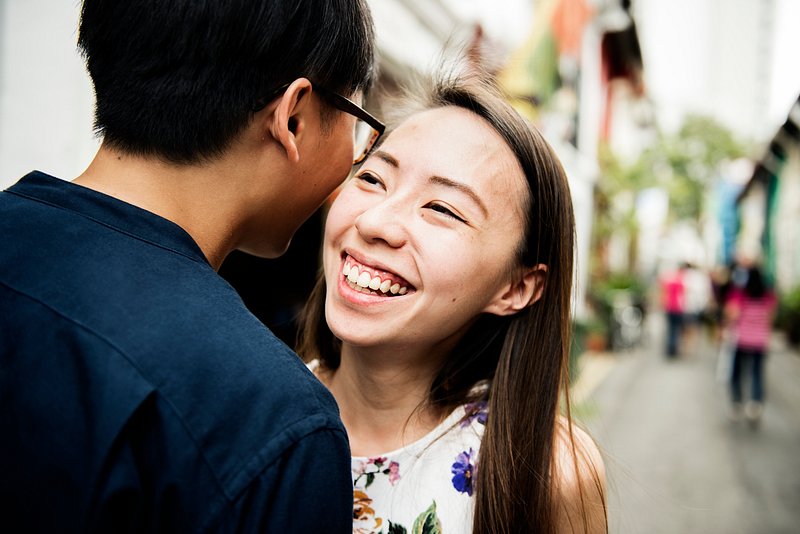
<point x="520" y="292"/>
<point x="287" y="120"/>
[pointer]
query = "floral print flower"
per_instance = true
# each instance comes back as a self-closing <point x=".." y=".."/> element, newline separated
<point x="464" y="471"/>
<point x="364" y="520"/>
<point x="475" y="410"/>
<point x="359" y="470"/>
<point x="394" y="473"/>
<point x="375" y="466"/>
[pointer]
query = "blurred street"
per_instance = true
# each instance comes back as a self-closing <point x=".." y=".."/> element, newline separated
<point x="675" y="461"/>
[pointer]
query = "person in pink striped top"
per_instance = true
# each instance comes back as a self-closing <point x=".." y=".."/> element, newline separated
<point x="750" y="310"/>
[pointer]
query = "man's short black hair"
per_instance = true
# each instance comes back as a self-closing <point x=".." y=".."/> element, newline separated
<point x="178" y="79"/>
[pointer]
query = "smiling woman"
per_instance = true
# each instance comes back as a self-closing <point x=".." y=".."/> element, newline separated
<point x="441" y="326"/>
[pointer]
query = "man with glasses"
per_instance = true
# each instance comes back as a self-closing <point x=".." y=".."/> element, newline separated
<point x="253" y="277"/>
<point x="138" y="392"/>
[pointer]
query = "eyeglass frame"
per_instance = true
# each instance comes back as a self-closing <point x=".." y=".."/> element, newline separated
<point x="342" y="104"/>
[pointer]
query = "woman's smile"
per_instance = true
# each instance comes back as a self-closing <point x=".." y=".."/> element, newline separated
<point x="362" y="283"/>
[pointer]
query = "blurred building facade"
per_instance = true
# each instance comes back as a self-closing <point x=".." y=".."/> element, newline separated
<point x="769" y="206"/>
<point x="734" y="61"/>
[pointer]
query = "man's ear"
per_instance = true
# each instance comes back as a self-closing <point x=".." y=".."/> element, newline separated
<point x="287" y="121"/>
<point x="520" y="292"/>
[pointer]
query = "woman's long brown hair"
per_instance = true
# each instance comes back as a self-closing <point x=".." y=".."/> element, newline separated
<point x="523" y="358"/>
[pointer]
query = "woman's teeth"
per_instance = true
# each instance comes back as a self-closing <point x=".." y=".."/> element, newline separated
<point x="366" y="283"/>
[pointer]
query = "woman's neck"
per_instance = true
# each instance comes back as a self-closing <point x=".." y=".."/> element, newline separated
<point x="382" y="397"/>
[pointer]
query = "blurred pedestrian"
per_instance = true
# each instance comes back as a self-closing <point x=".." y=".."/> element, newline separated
<point x="138" y="393"/>
<point x="673" y="302"/>
<point x="697" y="290"/>
<point x="750" y="311"/>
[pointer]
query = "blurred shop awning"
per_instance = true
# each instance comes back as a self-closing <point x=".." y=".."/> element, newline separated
<point x="770" y="165"/>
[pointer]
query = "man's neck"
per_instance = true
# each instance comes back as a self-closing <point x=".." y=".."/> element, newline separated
<point x="201" y="199"/>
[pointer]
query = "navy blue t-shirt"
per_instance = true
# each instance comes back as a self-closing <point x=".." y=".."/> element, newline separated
<point x="138" y="394"/>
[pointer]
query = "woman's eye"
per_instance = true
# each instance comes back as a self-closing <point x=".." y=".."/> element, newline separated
<point x="444" y="211"/>
<point x="368" y="178"/>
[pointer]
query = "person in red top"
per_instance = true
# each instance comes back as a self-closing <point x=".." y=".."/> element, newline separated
<point x="673" y="299"/>
<point x="750" y="310"/>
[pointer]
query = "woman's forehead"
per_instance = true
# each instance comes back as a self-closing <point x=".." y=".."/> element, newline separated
<point x="458" y="144"/>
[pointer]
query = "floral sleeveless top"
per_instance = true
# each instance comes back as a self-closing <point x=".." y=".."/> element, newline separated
<point x="424" y="487"/>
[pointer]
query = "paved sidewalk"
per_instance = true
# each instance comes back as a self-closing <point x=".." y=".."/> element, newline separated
<point x="675" y="462"/>
<point x="593" y="367"/>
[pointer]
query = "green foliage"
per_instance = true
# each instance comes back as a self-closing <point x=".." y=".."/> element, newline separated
<point x="604" y="293"/>
<point x="617" y="281"/>
<point x="684" y="164"/>
<point x="687" y="162"/>
<point x="615" y="200"/>
<point x="581" y="330"/>
<point x="542" y="68"/>
<point x="619" y="177"/>
<point x="577" y="347"/>
<point x="788" y="318"/>
<point x="713" y="142"/>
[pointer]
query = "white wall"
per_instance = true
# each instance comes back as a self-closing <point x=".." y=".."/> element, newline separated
<point x="787" y="232"/>
<point x="735" y="60"/>
<point x="785" y="71"/>
<point x="46" y="97"/>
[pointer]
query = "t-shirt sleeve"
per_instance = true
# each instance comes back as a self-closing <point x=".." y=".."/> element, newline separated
<point x="309" y="489"/>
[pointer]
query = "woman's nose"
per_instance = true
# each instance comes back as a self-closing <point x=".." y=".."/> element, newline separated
<point x="382" y="222"/>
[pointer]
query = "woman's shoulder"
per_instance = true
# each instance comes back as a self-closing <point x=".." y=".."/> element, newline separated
<point x="585" y="455"/>
<point x="580" y="480"/>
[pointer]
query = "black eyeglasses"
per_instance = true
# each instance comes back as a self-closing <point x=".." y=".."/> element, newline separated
<point x="367" y="131"/>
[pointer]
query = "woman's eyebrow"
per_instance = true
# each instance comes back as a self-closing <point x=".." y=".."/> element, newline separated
<point x="464" y="188"/>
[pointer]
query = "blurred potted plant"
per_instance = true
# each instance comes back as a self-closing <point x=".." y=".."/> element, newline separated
<point x="596" y="335"/>
<point x="587" y="335"/>
<point x="608" y="293"/>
